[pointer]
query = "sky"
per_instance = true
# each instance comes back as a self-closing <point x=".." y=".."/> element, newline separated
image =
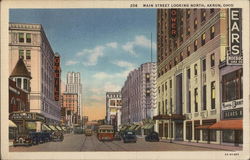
<point x="104" y="45"/>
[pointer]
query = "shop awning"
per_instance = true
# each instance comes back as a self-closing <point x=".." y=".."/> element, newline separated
<point x="59" y="128"/>
<point x="12" y="124"/>
<point x="138" y="127"/>
<point x="64" y="128"/>
<point x="132" y="127"/>
<point x="149" y="126"/>
<point x="124" y="128"/>
<point x="45" y="128"/>
<point x="203" y="127"/>
<point x="145" y="126"/>
<point x="228" y="125"/>
<point x="52" y="127"/>
<point x="31" y="125"/>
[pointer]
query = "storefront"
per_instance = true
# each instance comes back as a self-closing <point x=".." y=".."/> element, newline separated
<point x="27" y="121"/>
<point x="231" y="105"/>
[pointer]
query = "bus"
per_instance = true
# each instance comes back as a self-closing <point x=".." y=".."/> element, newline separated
<point x="105" y="132"/>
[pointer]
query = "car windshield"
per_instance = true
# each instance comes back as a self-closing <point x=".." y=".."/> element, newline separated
<point x="130" y="133"/>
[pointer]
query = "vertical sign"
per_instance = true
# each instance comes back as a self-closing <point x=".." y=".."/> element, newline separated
<point x="57" y="78"/>
<point x="173" y="23"/>
<point x="235" y="56"/>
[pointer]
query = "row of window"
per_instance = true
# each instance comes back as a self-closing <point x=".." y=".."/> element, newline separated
<point x="24" y="36"/>
<point x="181" y="56"/>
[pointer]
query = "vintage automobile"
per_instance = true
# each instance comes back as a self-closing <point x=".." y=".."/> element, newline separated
<point x="88" y="132"/>
<point x="152" y="137"/>
<point x="45" y="136"/>
<point x="23" y="140"/>
<point x="129" y="136"/>
<point x="57" y="136"/>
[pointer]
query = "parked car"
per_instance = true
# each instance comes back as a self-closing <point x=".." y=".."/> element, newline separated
<point x="23" y="140"/>
<point x="45" y="136"/>
<point x="152" y="137"/>
<point x="57" y="136"/>
<point x="117" y="136"/>
<point x="129" y="136"/>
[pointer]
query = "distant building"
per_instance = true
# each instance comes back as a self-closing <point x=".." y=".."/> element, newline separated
<point x="69" y="108"/>
<point x="73" y="85"/>
<point x="113" y="106"/>
<point x="29" y="42"/>
<point x="139" y="94"/>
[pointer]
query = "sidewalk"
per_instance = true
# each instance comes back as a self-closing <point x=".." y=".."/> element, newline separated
<point x="205" y="145"/>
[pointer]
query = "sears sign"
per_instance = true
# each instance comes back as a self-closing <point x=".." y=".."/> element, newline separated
<point x="235" y="56"/>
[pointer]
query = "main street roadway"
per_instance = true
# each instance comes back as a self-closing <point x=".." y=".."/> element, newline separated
<point x="81" y="143"/>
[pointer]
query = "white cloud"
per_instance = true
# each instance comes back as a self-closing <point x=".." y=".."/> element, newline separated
<point x="112" y="44"/>
<point x="71" y="62"/>
<point x="140" y="41"/>
<point x="103" y="75"/>
<point x="110" y="87"/>
<point x="92" y="55"/>
<point x="123" y="64"/>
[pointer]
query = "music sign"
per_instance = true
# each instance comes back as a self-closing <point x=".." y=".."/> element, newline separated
<point x="234" y="55"/>
<point x="173" y="23"/>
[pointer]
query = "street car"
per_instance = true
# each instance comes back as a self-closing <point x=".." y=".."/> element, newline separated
<point x="105" y="133"/>
<point x="152" y="137"/>
<point x="129" y="136"/>
<point x="88" y="132"/>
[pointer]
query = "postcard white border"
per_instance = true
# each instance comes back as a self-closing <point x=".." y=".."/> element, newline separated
<point x="7" y="4"/>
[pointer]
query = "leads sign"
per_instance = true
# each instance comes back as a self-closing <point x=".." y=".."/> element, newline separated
<point x="235" y="56"/>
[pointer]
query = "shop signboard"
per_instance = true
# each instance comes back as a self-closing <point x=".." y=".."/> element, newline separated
<point x="26" y="116"/>
<point x="233" y="113"/>
<point x="232" y="109"/>
<point x="232" y="104"/>
<point x="235" y="55"/>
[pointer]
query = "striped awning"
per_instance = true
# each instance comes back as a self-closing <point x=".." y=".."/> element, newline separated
<point x="52" y="127"/>
<point x="58" y="128"/>
<point x="12" y="124"/>
<point x="138" y="127"/>
<point x="149" y="126"/>
<point x="64" y="128"/>
<point x="45" y="128"/>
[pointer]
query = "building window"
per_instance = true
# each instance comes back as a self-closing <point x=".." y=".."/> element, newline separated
<point x="166" y="106"/>
<point x="188" y="50"/>
<point x="171" y="83"/>
<point x="25" y="84"/>
<point x="188" y="12"/>
<point x="28" y="37"/>
<point x="195" y="23"/>
<point x="195" y="70"/>
<point x="147" y="77"/>
<point x="162" y="88"/>
<point x="204" y="97"/>
<point x="189" y="102"/>
<point x="196" y="99"/>
<point x="159" y="108"/>
<point x="212" y="59"/>
<point x="195" y="45"/>
<point x="19" y="82"/>
<point x="211" y="10"/>
<point x="232" y="86"/>
<point x="21" y="53"/>
<point x="212" y="32"/>
<point x="188" y="73"/>
<point x="203" y="39"/>
<point x="159" y="90"/>
<point x="181" y="56"/>
<point x="204" y="65"/>
<point x="175" y="44"/>
<point x="213" y="95"/>
<point x="188" y="31"/>
<point x="21" y="37"/>
<point x="203" y="15"/>
<point x="28" y="54"/>
<point x="166" y="86"/>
